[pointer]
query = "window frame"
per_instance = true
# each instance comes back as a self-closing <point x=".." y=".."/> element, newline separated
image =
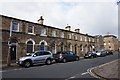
<point x="32" y="29"/>
<point x="109" y="43"/>
<point x="69" y="36"/>
<point x="85" y="39"/>
<point x="93" y="40"/>
<point x="11" y="25"/>
<point x="43" y="32"/>
<point x="81" y="38"/>
<point x="61" y="34"/>
<point x="75" y="36"/>
<point x="89" y="39"/>
<point x="53" y="33"/>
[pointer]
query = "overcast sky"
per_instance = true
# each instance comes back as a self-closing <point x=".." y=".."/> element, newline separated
<point x="93" y="17"/>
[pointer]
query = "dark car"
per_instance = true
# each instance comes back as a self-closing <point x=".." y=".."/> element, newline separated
<point x="65" y="56"/>
<point x="101" y="53"/>
<point x="90" y="54"/>
<point x="108" y="52"/>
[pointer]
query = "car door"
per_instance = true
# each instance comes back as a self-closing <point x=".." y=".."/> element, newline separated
<point x="66" y="55"/>
<point x="38" y="57"/>
<point x="72" y="55"/>
<point x="47" y="55"/>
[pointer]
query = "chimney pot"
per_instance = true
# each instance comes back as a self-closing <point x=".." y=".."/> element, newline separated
<point x="40" y="21"/>
<point x="77" y="30"/>
<point x="68" y="28"/>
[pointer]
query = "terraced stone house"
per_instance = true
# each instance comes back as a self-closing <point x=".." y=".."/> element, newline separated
<point x="110" y="42"/>
<point x="21" y="37"/>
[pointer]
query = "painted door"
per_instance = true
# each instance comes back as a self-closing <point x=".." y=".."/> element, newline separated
<point x="13" y="52"/>
<point x="42" y="48"/>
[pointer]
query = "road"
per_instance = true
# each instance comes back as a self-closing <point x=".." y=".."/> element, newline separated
<point x="69" y="70"/>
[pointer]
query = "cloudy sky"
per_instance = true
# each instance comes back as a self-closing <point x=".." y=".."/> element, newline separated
<point x="93" y="17"/>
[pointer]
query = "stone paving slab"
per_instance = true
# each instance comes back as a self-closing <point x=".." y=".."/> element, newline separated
<point x="109" y="71"/>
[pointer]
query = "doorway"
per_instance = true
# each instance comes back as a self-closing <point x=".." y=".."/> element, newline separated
<point x="13" y="52"/>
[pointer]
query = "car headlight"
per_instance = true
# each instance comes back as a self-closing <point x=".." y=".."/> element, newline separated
<point x="89" y="54"/>
<point x="21" y="59"/>
<point x="98" y="53"/>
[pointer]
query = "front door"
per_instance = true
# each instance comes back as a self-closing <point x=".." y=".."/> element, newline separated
<point x="42" y="48"/>
<point x="13" y="52"/>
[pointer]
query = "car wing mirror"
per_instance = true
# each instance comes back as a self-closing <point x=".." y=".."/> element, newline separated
<point x="74" y="54"/>
<point x="34" y="55"/>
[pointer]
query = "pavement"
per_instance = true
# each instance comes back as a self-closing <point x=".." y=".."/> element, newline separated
<point x="107" y="71"/>
<point x="11" y="66"/>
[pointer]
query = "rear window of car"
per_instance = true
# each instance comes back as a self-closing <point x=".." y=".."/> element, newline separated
<point x="64" y="52"/>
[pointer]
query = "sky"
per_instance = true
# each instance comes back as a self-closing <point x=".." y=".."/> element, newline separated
<point x="93" y="17"/>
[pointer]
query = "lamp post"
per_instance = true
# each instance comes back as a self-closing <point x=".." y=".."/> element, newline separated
<point x="9" y="44"/>
<point x="9" y="56"/>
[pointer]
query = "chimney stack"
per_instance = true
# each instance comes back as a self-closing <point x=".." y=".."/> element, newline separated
<point x="40" y="21"/>
<point x="77" y="30"/>
<point x="108" y="33"/>
<point x="68" y="28"/>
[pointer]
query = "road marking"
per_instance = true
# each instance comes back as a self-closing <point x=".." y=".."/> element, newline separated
<point x="20" y="69"/>
<point x="15" y="69"/>
<point x="91" y="73"/>
<point x="75" y="76"/>
<point x="1" y="71"/>
<point x="90" y="69"/>
<point x="70" y="78"/>
<point x="84" y="73"/>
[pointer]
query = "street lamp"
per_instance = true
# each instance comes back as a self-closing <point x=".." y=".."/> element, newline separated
<point x="9" y="44"/>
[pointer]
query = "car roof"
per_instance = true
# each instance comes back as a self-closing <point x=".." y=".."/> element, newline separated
<point x="42" y="51"/>
<point x="90" y="52"/>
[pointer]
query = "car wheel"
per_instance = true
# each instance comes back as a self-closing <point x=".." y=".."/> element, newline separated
<point x="92" y="56"/>
<point x="64" y="60"/>
<point x="77" y="58"/>
<point x="56" y="61"/>
<point x="96" y="56"/>
<point x="48" y="61"/>
<point x="27" y="64"/>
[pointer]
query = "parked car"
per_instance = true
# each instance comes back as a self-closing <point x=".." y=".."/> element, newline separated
<point x="65" y="56"/>
<point x="108" y="52"/>
<point x="101" y="53"/>
<point x="36" y="58"/>
<point x="90" y="54"/>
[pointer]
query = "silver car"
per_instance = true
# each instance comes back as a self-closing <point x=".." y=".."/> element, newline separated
<point x="101" y="53"/>
<point x="36" y="58"/>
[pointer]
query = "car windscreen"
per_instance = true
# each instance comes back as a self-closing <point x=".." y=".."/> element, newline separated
<point x="98" y="51"/>
<point x="29" y="54"/>
<point x="89" y="52"/>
